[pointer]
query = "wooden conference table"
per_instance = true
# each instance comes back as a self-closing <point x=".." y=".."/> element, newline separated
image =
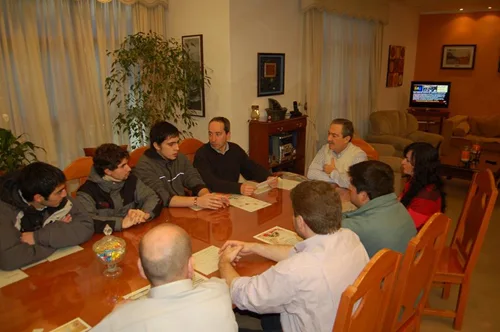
<point x="73" y="286"/>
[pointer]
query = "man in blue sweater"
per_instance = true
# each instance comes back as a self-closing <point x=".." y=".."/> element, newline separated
<point x="221" y="162"/>
<point x="380" y="221"/>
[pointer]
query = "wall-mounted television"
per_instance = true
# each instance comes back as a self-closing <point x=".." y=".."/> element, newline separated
<point x="430" y="94"/>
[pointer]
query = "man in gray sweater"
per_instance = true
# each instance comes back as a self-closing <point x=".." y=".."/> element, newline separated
<point x="168" y="172"/>
<point x="37" y="217"/>
<point x="380" y="221"/>
<point x="113" y="196"/>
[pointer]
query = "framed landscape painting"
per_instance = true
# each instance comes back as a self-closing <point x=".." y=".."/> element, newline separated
<point x="458" y="56"/>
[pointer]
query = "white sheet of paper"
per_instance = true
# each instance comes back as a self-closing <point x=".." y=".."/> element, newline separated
<point x="246" y="203"/>
<point x="206" y="261"/>
<point x="138" y="294"/>
<point x="279" y="235"/>
<point x="262" y="187"/>
<point x="9" y="277"/>
<point x="37" y="330"/>
<point x="287" y="184"/>
<point x="59" y="253"/>
<point x="76" y="325"/>
<point x="198" y="279"/>
<point x="34" y="264"/>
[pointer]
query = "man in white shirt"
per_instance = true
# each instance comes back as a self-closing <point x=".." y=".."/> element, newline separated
<point x="333" y="160"/>
<point x="305" y="286"/>
<point x="173" y="304"/>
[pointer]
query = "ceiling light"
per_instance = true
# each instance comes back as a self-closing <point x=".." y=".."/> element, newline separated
<point x="489" y="7"/>
<point x="461" y="9"/>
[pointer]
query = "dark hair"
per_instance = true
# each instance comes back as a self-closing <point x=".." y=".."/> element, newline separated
<point x="318" y="204"/>
<point x="224" y="121"/>
<point x="108" y="156"/>
<point x="162" y="131"/>
<point x="373" y="177"/>
<point x="39" y="178"/>
<point x="170" y="265"/>
<point x="426" y="163"/>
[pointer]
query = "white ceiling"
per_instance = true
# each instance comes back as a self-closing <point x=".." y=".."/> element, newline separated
<point x="449" y="6"/>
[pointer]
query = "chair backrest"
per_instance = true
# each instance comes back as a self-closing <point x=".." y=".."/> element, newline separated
<point x="475" y="218"/>
<point x="363" y="305"/>
<point x="135" y="155"/>
<point x="90" y="152"/>
<point x="417" y="270"/>
<point x="76" y="173"/>
<point x="367" y="148"/>
<point x="189" y="146"/>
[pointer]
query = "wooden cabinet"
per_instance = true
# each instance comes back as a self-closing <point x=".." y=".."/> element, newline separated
<point x="430" y="117"/>
<point x="260" y="136"/>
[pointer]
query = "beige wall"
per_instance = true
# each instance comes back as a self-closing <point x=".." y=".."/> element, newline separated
<point x="234" y="31"/>
<point x="402" y="30"/>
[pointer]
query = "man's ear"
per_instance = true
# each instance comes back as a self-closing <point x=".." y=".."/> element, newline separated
<point x="38" y="198"/>
<point x="301" y="224"/>
<point x="141" y="269"/>
<point x="190" y="267"/>
<point x="364" y="197"/>
<point x="156" y="146"/>
<point x="229" y="136"/>
<point x="107" y="172"/>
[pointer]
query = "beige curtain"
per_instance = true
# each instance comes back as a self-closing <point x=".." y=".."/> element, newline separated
<point x="55" y="64"/>
<point x="373" y="10"/>
<point x="341" y="62"/>
<point x="312" y="53"/>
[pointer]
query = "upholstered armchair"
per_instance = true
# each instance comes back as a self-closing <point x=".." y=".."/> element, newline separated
<point x="399" y="129"/>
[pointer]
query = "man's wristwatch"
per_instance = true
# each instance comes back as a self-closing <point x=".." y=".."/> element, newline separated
<point x="195" y="200"/>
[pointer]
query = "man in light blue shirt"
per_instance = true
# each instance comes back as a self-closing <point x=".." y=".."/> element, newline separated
<point x="334" y="158"/>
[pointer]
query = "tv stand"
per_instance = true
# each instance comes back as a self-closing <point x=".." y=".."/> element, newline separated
<point x="429" y="116"/>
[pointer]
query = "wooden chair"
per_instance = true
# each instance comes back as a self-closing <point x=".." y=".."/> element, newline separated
<point x="415" y="276"/>
<point x="76" y="174"/>
<point x="135" y="155"/>
<point x="189" y="146"/>
<point x="90" y="152"/>
<point x="371" y="153"/>
<point x="459" y="259"/>
<point x="371" y="293"/>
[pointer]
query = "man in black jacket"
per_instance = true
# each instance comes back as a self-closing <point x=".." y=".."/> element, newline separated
<point x="112" y="196"/>
<point x="36" y="216"/>
<point x="167" y="171"/>
<point x="221" y="162"/>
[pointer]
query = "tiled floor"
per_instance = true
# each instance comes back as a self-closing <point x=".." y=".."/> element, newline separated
<point x="481" y="313"/>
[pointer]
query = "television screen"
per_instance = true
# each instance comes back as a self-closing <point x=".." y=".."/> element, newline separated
<point x="430" y="94"/>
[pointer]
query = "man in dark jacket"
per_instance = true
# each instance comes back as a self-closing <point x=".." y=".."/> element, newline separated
<point x="112" y="196"/>
<point x="168" y="172"/>
<point x="36" y="216"/>
<point x="221" y="162"/>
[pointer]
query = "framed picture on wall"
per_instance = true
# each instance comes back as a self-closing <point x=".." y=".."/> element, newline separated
<point x="395" y="66"/>
<point x="270" y="74"/>
<point x="194" y="46"/>
<point x="458" y="56"/>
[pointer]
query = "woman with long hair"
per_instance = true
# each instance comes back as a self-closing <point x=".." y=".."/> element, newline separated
<point x="423" y="194"/>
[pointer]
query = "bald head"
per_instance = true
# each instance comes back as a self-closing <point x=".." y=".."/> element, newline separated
<point x="164" y="252"/>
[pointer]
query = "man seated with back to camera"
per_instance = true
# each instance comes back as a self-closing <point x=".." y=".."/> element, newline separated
<point x="305" y="285"/>
<point x="112" y="196"/>
<point x="380" y="221"/>
<point x="37" y="217"/>
<point x="333" y="160"/>
<point x="173" y="303"/>
<point x="167" y="171"/>
<point x="221" y="162"/>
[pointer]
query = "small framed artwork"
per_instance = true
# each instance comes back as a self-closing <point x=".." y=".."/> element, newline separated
<point x="458" y="56"/>
<point x="270" y="74"/>
<point x="194" y="46"/>
<point x="395" y="66"/>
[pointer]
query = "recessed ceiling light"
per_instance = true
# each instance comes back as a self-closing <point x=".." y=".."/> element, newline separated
<point x="489" y="7"/>
<point x="461" y="9"/>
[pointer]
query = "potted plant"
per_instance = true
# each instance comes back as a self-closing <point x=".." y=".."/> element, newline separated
<point x="15" y="152"/>
<point x="150" y="80"/>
